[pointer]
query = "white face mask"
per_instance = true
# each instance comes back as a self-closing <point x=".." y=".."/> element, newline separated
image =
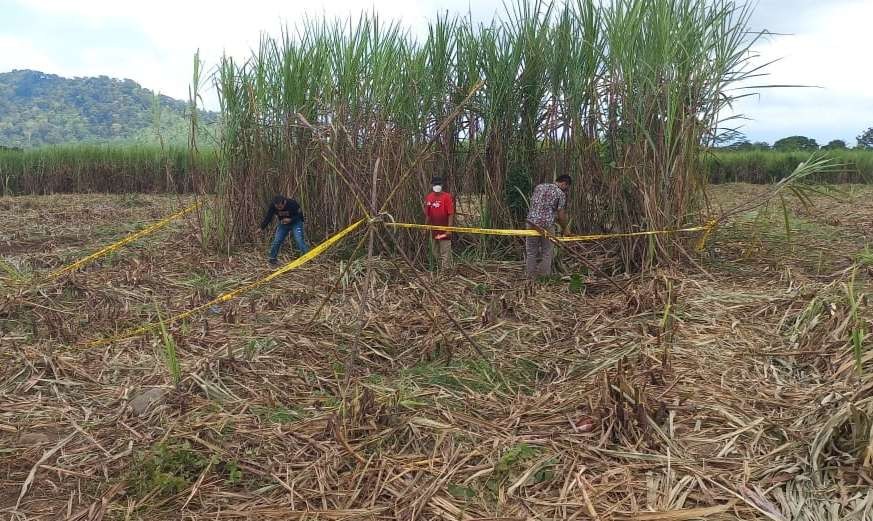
<point x="437" y="188"/>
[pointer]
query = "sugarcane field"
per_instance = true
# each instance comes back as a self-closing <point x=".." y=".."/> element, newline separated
<point x="501" y="271"/>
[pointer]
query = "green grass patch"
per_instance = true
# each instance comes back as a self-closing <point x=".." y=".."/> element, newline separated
<point x="19" y="273"/>
<point x="461" y="492"/>
<point x="279" y="415"/>
<point x="476" y="375"/>
<point x="514" y="463"/>
<point x="206" y="285"/>
<point x="166" y="468"/>
<point x="257" y="346"/>
<point x="864" y="257"/>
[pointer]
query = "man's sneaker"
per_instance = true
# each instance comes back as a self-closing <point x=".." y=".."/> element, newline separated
<point x="274" y="262"/>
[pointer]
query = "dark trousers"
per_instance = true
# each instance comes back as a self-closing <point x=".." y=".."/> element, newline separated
<point x="282" y="231"/>
<point x="538" y="254"/>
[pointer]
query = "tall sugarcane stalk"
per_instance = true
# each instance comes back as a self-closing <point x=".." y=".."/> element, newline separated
<point x="620" y="96"/>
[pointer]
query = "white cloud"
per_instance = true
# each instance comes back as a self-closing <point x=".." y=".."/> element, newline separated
<point x="19" y="53"/>
<point x="176" y="29"/>
<point x="826" y="51"/>
<point x="829" y="48"/>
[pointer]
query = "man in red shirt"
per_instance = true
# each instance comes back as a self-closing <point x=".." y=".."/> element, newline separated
<point x="439" y="210"/>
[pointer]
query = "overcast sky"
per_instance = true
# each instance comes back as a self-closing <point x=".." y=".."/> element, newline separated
<point x="827" y="44"/>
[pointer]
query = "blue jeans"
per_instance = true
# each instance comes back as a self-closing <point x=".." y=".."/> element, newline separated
<point x="282" y="231"/>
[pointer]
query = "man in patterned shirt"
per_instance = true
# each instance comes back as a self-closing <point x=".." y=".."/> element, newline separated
<point x="549" y="200"/>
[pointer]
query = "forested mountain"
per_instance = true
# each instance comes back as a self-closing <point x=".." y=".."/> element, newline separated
<point x="44" y="109"/>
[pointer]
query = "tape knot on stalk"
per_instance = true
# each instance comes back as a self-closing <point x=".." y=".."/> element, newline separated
<point x="381" y="217"/>
<point x="707" y="231"/>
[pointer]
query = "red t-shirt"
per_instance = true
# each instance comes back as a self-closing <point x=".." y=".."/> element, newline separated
<point x="438" y="207"/>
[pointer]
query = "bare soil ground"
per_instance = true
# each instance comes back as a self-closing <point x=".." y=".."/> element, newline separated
<point x="724" y="391"/>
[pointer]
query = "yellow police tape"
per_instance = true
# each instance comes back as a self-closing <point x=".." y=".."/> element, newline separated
<point x="534" y="233"/>
<point x="116" y="245"/>
<point x="296" y="263"/>
<point x="709" y="227"/>
<point x="324" y="246"/>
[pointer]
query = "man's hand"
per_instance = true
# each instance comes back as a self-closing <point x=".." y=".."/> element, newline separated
<point x="286" y="220"/>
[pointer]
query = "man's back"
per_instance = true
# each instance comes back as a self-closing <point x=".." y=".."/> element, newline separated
<point x="439" y="206"/>
<point x="546" y="200"/>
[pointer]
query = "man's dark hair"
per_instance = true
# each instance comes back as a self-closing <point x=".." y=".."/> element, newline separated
<point x="278" y="199"/>
<point x="564" y="179"/>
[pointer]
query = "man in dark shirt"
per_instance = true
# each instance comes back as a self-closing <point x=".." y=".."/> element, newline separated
<point x="290" y="221"/>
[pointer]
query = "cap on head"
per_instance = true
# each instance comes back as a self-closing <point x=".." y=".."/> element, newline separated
<point x="436" y="180"/>
<point x="278" y="199"/>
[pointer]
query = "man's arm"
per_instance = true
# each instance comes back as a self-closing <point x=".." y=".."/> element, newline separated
<point x="451" y="210"/>
<point x="268" y="217"/>
<point x="562" y="212"/>
<point x="294" y="206"/>
<point x="562" y="219"/>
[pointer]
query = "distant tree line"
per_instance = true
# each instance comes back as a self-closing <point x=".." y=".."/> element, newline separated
<point x="799" y="143"/>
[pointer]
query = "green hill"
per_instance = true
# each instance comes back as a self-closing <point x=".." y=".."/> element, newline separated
<point x="44" y="109"/>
